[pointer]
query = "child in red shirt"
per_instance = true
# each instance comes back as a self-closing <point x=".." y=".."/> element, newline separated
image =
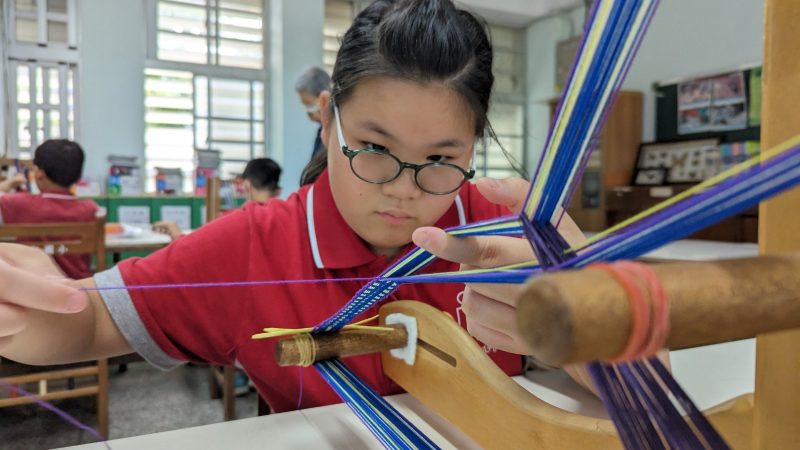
<point x="261" y="179"/>
<point x="409" y="103"/>
<point x="58" y="164"/>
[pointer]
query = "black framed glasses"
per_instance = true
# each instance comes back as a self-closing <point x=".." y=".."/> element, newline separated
<point x="378" y="166"/>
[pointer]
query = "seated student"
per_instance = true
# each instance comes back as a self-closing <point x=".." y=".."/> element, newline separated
<point x="262" y="178"/>
<point x="58" y="164"/>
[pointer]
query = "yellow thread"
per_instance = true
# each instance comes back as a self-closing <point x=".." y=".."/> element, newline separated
<point x="280" y="332"/>
<point x="306" y="349"/>
<point x="590" y="46"/>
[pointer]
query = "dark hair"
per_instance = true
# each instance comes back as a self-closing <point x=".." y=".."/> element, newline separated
<point x="61" y="160"/>
<point x="425" y="41"/>
<point x="263" y="174"/>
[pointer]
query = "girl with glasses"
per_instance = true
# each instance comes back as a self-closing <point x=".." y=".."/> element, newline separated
<point x="409" y="102"/>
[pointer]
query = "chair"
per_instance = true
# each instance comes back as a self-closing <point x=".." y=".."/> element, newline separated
<point x="220" y="378"/>
<point x="213" y="201"/>
<point x="63" y="381"/>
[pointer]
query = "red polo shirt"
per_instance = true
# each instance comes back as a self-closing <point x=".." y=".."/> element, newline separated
<point x="303" y="237"/>
<point x="56" y="206"/>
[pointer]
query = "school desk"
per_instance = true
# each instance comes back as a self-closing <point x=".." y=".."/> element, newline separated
<point x="147" y="240"/>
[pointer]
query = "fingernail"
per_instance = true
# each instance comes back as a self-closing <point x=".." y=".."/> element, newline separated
<point x="76" y="302"/>
<point x="423" y="238"/>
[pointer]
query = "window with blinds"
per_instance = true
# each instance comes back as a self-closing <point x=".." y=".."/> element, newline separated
<point x="211" y="32"/>
<point x="41" y="67"/>
<point x="507" y="111"/>
<point x="204" y="85"/>
<point x="338" y="17"/>
<point x="185" y="112"/>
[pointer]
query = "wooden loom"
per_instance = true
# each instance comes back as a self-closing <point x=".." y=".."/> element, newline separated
<point x="766" y="419"/>
<point x="451" y="375"/>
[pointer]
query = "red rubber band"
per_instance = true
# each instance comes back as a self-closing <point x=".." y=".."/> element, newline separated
<point x="649" y="308"/>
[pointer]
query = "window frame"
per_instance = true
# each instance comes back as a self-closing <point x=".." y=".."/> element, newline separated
<point x="33" y="106"/>
<point x="328" y="36"/>
<point x="62" y="56"/>
<point x="213" y="72"/>
<point x="516" y="99"/>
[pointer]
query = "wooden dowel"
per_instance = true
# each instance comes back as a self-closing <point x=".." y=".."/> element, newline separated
<point x="307" y="349"/>
<point x="584" y="315"/>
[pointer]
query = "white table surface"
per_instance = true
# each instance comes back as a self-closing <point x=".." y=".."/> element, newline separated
<point x="145" y="239"/>
<point x="700" y="250"/>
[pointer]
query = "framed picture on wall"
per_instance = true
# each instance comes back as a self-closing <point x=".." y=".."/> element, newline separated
<point x="649" y="177"/>
<point x="681" y="162"/>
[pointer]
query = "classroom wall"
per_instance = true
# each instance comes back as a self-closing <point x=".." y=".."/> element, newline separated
<point x="112" y="46"/>
<point x="295" y="45"/>
<point x="686" y="38"/>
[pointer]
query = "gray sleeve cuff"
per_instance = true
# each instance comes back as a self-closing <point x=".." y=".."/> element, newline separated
<point x="120" y="306"/>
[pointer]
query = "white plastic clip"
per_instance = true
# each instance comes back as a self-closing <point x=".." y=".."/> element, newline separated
<point x="409" y="352"/>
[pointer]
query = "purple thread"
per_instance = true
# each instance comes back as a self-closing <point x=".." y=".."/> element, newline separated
<point x="234" y="283"/>
<point x="60" y="413"/>
<point x="300" y="392"/>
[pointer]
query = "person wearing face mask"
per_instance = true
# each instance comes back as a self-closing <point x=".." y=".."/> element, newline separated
<point x="310" y="86"/>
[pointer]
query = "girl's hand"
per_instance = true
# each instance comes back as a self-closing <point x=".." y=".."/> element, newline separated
<point x="491" y="308"/>
<point x="29" y="281"/>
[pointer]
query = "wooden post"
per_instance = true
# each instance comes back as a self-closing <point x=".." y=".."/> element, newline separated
<point x="101" y="257"/>
<point x="777" y="409"/>
<point x="212" y="199"/>
<point x="304" y="349"/>
<point x="102" y="397"/>
<point x="584" y="315"/>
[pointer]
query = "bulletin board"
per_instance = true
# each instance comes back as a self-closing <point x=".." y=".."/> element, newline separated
<point x="668" y="125"/>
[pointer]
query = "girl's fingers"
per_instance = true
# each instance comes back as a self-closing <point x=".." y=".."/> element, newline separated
<point x="496" y="339"/>
<point x="505" y="293"/>
<point x="488" y="312"/>
<point x="12" y="319"/>
<point x="479" y="251"/>
<point x="23" y="288"/>
<point x="493" y="323"/>
<point x="509" y="192"/>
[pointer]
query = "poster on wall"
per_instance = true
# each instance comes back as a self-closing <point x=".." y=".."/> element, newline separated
<point x="712" y="104"/>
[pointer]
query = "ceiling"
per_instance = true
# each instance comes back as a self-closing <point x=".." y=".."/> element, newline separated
<point x="517" y="13"/>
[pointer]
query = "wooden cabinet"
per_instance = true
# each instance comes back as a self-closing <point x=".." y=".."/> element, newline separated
<point x="611" y="163"/>
<point x="624" y="202"/>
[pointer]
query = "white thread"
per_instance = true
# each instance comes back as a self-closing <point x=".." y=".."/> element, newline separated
<point x="459" y="299"/>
